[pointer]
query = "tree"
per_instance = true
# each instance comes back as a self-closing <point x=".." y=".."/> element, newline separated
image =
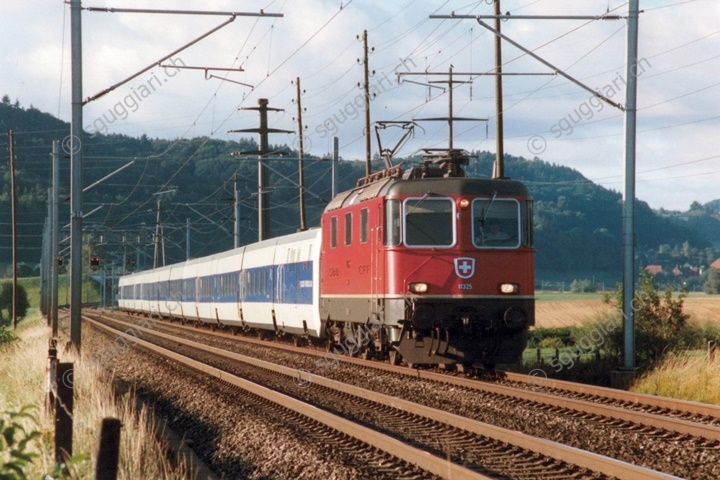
<point x="584" y="285"/>
<point x="712" y="284"/>
<point x="6" y="302"/>
<point x="696" y="207"/>
<point x="5" y="99"/>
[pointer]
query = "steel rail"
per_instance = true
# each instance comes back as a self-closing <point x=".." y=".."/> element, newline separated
<point x="686" y="406"/>
<point x="572" y="455"/>
<point x="403" y="451"/>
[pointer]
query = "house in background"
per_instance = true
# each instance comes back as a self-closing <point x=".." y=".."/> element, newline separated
<point x="654" y="269"/>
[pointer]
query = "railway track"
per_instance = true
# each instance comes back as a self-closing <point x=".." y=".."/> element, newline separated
<point x="663" y="414"/>
<point x="459" y="447"/>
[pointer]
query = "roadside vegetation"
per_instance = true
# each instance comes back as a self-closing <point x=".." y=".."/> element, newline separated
<point x="665" y="338"/>
<point x="28" y="431"/>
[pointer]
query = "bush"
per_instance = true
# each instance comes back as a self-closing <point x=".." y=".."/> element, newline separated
<point x="6" y="335"/>
<point x="554" y="337"/>
<point x="6" y="302"/>
<point x="551" y="342"/>
<point x="660" y="324"/>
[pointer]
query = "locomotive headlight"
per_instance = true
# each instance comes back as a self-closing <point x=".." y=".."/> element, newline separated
<point x="418" y="287"/>
<point x="508" y="288"/>
<point x="463" y="203"/>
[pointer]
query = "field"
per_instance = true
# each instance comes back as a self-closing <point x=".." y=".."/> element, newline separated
<point x="568" y="309"/>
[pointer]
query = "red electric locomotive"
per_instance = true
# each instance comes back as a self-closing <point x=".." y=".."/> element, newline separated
<point x="429" y="266"/>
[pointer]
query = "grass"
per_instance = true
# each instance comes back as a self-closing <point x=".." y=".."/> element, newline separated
<point x="22" y="382"/>
<point x="690" y="377"/>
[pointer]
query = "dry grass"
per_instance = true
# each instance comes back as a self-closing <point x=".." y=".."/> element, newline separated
<point x="566" y="311"/>
<point x="695" y="378"/>
<point x="22" y="382"/>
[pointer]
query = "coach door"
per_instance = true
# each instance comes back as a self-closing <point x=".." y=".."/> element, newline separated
<point x="373" y="231"/>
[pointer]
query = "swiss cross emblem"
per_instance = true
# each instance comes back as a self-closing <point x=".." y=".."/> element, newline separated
<point x="464" y="267"/>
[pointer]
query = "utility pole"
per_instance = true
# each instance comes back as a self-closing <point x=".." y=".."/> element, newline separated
<point x="450" y="108"/>
<point x="628" y="230"/>
<point x="187" y="239"/>
<point x="46" y="260"/>
<point x="124" y="257"/>
<point x="499" y="170"/>
<point x="76" y="154"/>
<point x="301" y="153"/>
<point x="262" y="131"/>
<point x="14" y="228"/>
<point x="159" y="238"/>
<point x="334" y="167"/>
<point x="366" y="87"/>
<point x="236" y="236"/>
<point x="451" y="118"/>
<point x="55" y="238"/>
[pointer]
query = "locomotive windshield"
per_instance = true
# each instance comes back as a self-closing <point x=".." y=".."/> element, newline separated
<point x="428" y="222"/>
<point x="496" y="223"/>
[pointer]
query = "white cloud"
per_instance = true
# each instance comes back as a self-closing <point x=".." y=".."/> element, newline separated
<point x="678" y="42"/>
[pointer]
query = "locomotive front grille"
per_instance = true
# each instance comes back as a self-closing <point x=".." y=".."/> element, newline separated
<point x="492" y="315"/>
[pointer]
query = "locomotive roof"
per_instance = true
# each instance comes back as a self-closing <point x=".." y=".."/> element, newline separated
<point x="391" y="186"/>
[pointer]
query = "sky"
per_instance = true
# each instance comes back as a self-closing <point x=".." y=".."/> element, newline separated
<point x="320" y="42"/>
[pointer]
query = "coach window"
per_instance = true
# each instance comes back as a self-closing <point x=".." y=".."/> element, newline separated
<point x="496" y="223"/>
<point x="364" y="225"/>
<point x="429" y="222"/>
<point x="392" y="223"/>
<point x="348" y="229"/>
<point x="333" y="232"/>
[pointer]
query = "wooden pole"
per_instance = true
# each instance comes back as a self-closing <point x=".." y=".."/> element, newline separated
<point x="63" y="412"/>
<point x="108" y="450"/>
<point x="14" y="229"/>
<point x="301" y="155"/>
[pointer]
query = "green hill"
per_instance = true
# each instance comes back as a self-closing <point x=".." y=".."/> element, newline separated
<point x="578" y="223"/>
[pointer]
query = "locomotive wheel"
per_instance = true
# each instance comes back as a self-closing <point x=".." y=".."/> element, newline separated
<point x="297" y="341"/>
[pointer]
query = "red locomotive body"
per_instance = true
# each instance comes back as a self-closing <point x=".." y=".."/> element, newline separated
<point x="439" y="265"/>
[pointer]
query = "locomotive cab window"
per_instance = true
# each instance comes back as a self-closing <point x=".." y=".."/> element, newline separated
<point x="496" y="223"/>
<point x="429" y="222"/>
<point x="392" y="223"/>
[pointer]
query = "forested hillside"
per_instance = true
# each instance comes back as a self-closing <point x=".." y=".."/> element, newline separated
<point x="578" y="223"/>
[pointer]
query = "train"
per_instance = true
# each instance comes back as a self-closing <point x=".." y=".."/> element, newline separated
<point x="422" y="265"/>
